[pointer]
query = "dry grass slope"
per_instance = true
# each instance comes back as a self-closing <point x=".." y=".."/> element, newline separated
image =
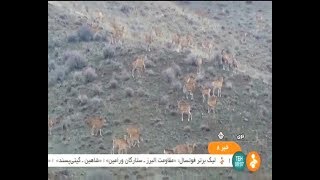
<point x="91" y="48"/>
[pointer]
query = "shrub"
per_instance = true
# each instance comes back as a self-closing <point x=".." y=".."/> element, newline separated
<point x="72" y="38"/>
<point x="126" y="9"/>
<point x="124" y="76"/>
<point x="191" y="60"/>
<point x="228" y="85"/>
<point x="96" y="103"/>
<point x="116" y="65"/>
<point x="217" y="60"/>
<point x="78" y="76"/>
<point x="89" y="74"/>
<point x="51" y="81"/>
<point x="164" y="100"/>
<point x="200" y="77"/>
<point x="176" y="85"/>
<point x="113" y="84"/>
<point x="85" y="33"/>
<point x="82" y="99"/>
<point x="168" y="45"/>
<point x="60" y="74"/>
<point x="143" y="13"/>
<point x="177" y="69"/>
<point x="97" y="89"/>
<point x="150" y="72"/>
<point x="108" y="52"/>
<point x="129" y="92"/>
<point x="127" y="120"/>
<point x="74" y="60"/>
<point x="142" y="92"/>
<point x="51" y="66"/>
<point x="149" y="63"/>
<point x="99" y="37"/>
<point x="57" y="75"/>
<point x="168" y="74"/>
<point x="187" y="129"/>
<point x="210" y="70"/>
<point x="205" y="127"/>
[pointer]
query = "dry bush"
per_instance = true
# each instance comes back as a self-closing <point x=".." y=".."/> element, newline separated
<point x="74" y="60"/>
<point x="113" y="83"/>
<point x="85" y="33"/>
<point x="169" y="74"/>
<point x="129" y="92"/>
<point x="108" y="52"/>
<point x="164" y="100"/>
<point x="89" y="74"/>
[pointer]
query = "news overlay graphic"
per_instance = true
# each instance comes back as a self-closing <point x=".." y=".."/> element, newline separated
<point x="253" y="161"/>
<point x="139" y="160"/>
<point x="239" y="161"/>
<point x="220" y="135"/>
<point x="223" y="147"/>
<point x="220" y="154"/>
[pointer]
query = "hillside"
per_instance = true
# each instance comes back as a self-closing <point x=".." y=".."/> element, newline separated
<point x="88" y="76"/>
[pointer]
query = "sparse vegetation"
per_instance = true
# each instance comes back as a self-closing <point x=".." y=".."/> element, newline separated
<point x="177" y="70"/>
<point x="211" y="70"/>
<point x="96" y="104"/>
<point x="73" y="38"/>
<point x="99" y="174"/>
<point x="169" y="75"/>
<point x="108" y="52"/>
<point x="204" y="127"/>
<point x="116" y="65"/>
<point x="85" y="33"/>
<point x="83" y="99"/>
<point x="90" y="64"/>
<point x="228" y="85"/>
<point x="187" y="129"/>
<point x="149" y="64"/>
<point x="99" y="37"/>
<point x="74" y="60"/>
<point x="78" y="76"/>
<point x="129" y="92"/>
<point x="89" y="74"/>
<point x="125" y="76"/>
<point x="51" y="66"/>
<point x="126" y="9"/>
<point x="113" y="83"/>
<point x="164" y="100"/>
<point x="150" y="72"/>
<point x="142" y="92"/>
<point x="60" y="74"/>
<point x="57" y="75"/>
<point x="176" y="85"/>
